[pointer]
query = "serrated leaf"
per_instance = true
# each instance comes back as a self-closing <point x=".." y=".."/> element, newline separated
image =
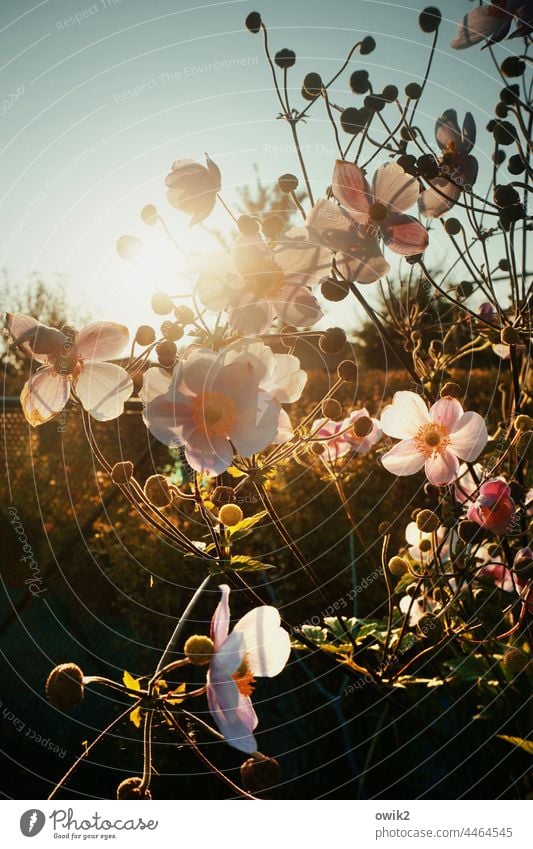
<point x="526" y="745"/>
<point x="242" y="528"/>
<point x="136" y="717"/>
<point x="242" y="563"/>
<point x="234" y="472"/>
<point x="130" y="682"/>
<point x="176" y="693"/>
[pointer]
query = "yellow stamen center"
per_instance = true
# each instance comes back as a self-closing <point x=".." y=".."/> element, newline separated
<point x="214" y="413"/>
<point x="244" y="679"/>
<point x="432" y="439"/>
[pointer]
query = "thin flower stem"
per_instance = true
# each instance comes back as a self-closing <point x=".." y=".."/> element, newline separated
<point x="147" y="752"/>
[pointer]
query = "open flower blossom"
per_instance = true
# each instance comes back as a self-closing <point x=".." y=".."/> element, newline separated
<point x="434" y="439"/>
<point x="466" y="485"/>
<point x="72" y="361"/>
<point x="257" y="283"/>
<point x="493" y="508"/>
<point x="458" y="169"/>
<point x="257" y="647"/>
<point x="370" y="213"/>
<point x="339" y="439"/>
<point x="492" y="22"/>
<point x="192" y="188"/>
<point x="218" y="403"/>
<point x="414" y="537"/>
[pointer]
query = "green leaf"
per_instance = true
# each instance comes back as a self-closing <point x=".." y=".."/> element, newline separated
<point x="135" y="717"/>
<point x="470" y="668"/>
<point x="176" y="700"/>
<point x="242" y="563"/>
<point x="243" y="528"/>
<point x="235" y="473"/>
<point x="130" y="682"/>
<point x="526" y="745"/>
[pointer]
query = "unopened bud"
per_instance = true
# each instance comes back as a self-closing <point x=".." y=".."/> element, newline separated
<point x="230" y="515"/>
<point x="468" y="531"/>
<point x="510" y="336"/>
<point x="157" y="491"/>
<point x="425" y="545"/>
<point x="331" y="409"/>
<point x="288" y="183"/>
<point x="430" y="627"/>
<point x="199" y="649"/>
<point x="398" y="566"/>
<point x="427" y="521"/>
<point x="515" y="661"/>
<point x="145" y="335"/>
<point x="130" y="788"/>
<point x="332" y="341"/>
<point x="362" y="427"/>
<point x="257" y="775"/>
<point x="450" y="390"/>
<point x="347" y="370"/>
<point x="64" y="686"/>
<point x="122" y="472"/>
<point x="523" y="423"/>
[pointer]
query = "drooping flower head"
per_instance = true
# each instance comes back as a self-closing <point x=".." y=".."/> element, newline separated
<point x="217" y="403"/>
<point x="434" y="439"/>
<point x="492" y="22"/>
<point x="493" y="508"/>
<point x="192" y="188"/>
<point x="457" y="168"/>
<point x="257" y="647"/>
<point x="72" y="361"/>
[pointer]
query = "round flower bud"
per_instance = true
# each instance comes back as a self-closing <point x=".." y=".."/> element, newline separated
<point x="465" y="288"/>
<point x="413" y="91"/>
<point x="428" y="166"/>
<point x="122" y="472"/>
<point x="510" y="336"/>
<point x="504" y="133"/>
<point x="468" y="531"/>
<point x="288" y="183"/>
<point x="230" y="515"/>
<point x="503" y="264"/>
<point x="408" y="133"/>
<point x="515" y="165"/>
<point x="171" y="330"/>
<point x="513" y="66"/>
<point x="257" y="775"/>
<point x="427" y="521"/>
<point x="130" y="788"/>
<point x="286" y="340"/>
<point x="452" y="226"/>
<point x="498" y="157"/>
<point x="161" y="303"/>
<point x="247" y="225"/>
<point x="510" y="94"/>
<point x="64" y="686"/>
<point x="515" y="661"/>
<point x="347" y="370"/>
<point x="157" y="491"/>
<point x="166" y="353"/>
<point x="374" y="103"/>
<point x="145" y="335"/>
<point x="223" y="495"/>
<point x="430" y="627"/>
<point x="199" y="650"/>
<point x="149" y="214"/>
<point x="505" y="196"/>
<point x="450" y="390"/>
<point x="285" y="58"/>
<point x="334" y="290"/>
<point x="184" y="314"/>
<point x="523" y="423"/>
<point x="523" y="563"/>
<point x="511" y="215"/>
<point x="362" y="427"/>
<point x="331" y="409"/>
<point x="317" y="448"/>
<point x="128" y="247"/>
<point x="429" y="19"/>
<point x="312" y="84"/>
<point x="408" y="163"/>
<point x="272" y="226"/>
<point x="359" y="82"/>
<point x="368" y="45"/>
<point x="501" y="111"/>
<point x="425" y="546"/>
<point x="398" y="566"/>
<point x="353" y="120"/>
<point x="389" y="93"/>
<point x="332" y="341"/>
<point x="253" y="22"/>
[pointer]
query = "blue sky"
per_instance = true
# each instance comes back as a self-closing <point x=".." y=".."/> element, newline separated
<point x="99" y="98"/>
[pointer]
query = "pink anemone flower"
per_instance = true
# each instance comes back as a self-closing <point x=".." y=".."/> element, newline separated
<point x="192" y="188"/>
<point x="458" y="169"/>
<point x="339" y="439"/>
<point x="72" y="361"/>
<point x="433" y="439"/>
<point x="216" y="404"/>
<point x="257" y="647"/>
<point x="493" y="508"/>
<point x="492" y="22"/>
<point x="258" y="283"/>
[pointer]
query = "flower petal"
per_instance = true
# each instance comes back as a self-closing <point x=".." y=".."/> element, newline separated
<point x="404" y="459"/>
<point x="257" y="425"/>
<point x="447" y="130"/>
<point x="394" y="187"/>
<point x="364" y="261"/>
<point x="208" y="453"/>
<point x="285" y="430"/>
<point x="251" y="316"/>
<point x="19" y="325"/>
<point x="442" y="468"/>
<point x="484" y="22"/>
<point x="404" y="235"/>
<point x="330" y="225"/>
<point x="404" y="416"/>
<point x="446" y="412"/>
<point x="296" y="305"/>
<point x="439" y="198"/>
<point x="300" y="258"/>
<point x="43" y="396"/>
<point x="469" y="437"/>
<point x="221" y="616"/>
<point x="102" y="389"/>
<point x="267" y="644"/>
<point x="233" y="714"/>
<point x="350" y="187"/>
<point x="102" y="340"/>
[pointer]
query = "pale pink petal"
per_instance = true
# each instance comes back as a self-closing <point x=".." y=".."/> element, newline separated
<point x="218" y="284"/>
<point x="350" y="187"/>
<point x="413" y="535"/>
<point x="483" y="22"/>
<point x="404" y="235"/>
<point x="469" y="437"/>
<point x="394" y="188"/>
<point x="442" y="468"/>
<point x="296" y="305"/>
<point x="102" y="340"/>
<point x="19" y="325"/>
<point x="447" y="130"/>
<point x="43" y="396"/>
<point x="251" y="316"/>
<point x="221" y="617"/>
<point x="208" y="453"/>
<point x="257" y="424"/>
<point x="404" y="416"/>
<point x="285" y="379"/>
<point x="332" y="226"/>
<point x="446" y="412"/>
<point x="285" y="430"/>
<point x="301" y="258"/>
<point x="102" y="389"/>
<point x="249" y="253"/>
<point x="502" y="351"/>
<point x="232" y="713"/>
<point x="404" y="459"/>
<point x="364" y="261"/>
<point x="156" y="381"/>
<point x="267" y="644"/>
<point x="432" y="203"/>
<point x="168" y="422"/>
